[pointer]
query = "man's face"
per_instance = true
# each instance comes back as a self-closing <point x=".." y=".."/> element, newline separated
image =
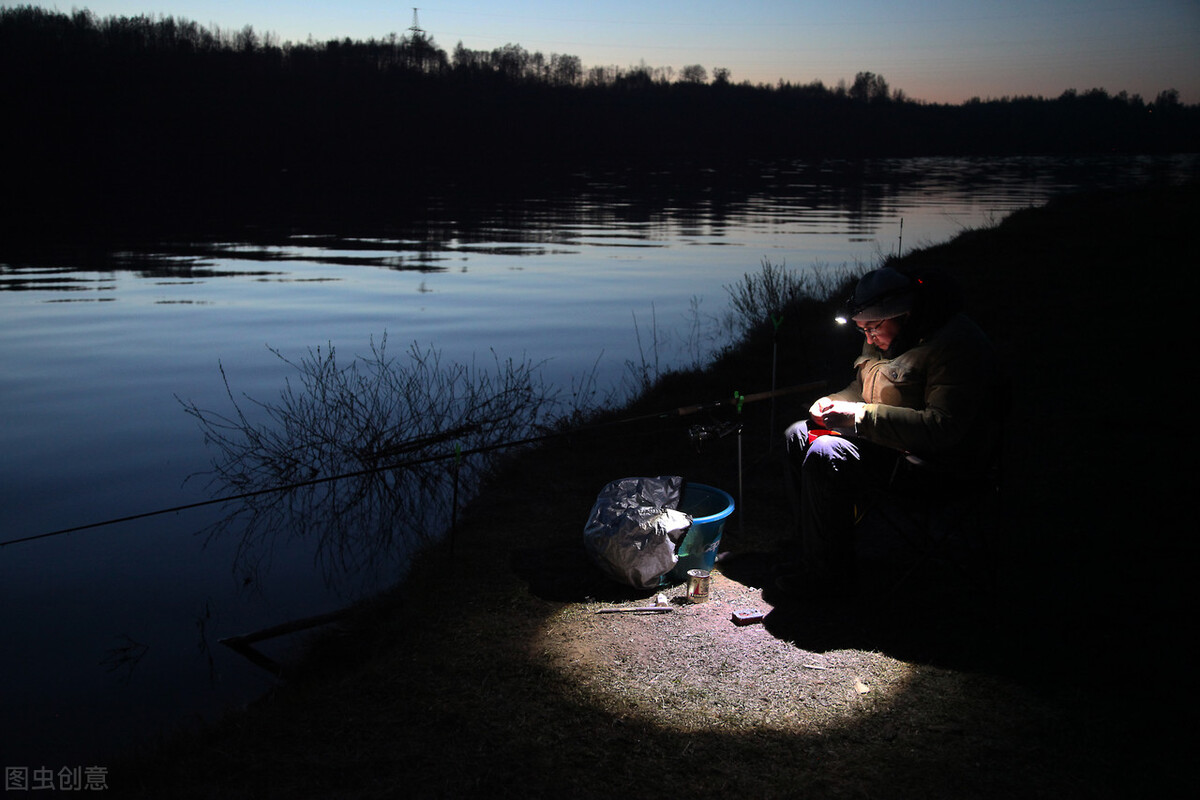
<point x="880" y="332"/>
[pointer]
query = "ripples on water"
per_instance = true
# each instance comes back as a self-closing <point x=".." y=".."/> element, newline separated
<point x="98" y="345"/>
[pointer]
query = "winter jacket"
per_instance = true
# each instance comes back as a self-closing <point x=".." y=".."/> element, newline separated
<point x="940" y="399"/>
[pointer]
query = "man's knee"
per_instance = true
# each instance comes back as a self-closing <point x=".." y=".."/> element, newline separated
<point x="795" y="440"/>
<point x="831" y="449"/>
<point x="829" y="460"/>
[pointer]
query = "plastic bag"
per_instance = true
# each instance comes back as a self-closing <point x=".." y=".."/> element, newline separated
<point x="634" y="527"/>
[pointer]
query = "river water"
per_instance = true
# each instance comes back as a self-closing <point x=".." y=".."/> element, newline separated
<point x="110" y="634"/>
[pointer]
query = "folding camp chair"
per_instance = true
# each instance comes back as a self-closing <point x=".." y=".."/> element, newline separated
<point x="940" y="533"/>
<point x="948" y="522"/>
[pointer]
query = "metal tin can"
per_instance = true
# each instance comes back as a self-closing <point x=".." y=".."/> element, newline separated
<point x="698" y="584"/>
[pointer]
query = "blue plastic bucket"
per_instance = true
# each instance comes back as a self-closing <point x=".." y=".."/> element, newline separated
<point x="709" y="508"/>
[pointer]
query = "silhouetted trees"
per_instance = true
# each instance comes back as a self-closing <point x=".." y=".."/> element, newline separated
<point x="869" y="88"/>
<point x="163" y="114"/>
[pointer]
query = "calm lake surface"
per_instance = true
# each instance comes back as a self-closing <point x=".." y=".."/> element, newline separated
<point x="111" y="634"/>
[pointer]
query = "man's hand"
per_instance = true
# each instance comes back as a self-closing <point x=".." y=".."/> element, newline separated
<point x="836" y="415"/>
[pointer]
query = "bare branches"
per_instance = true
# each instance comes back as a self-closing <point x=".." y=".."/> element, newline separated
<point x="761" y="296"/>
<point x="379" y="419"/>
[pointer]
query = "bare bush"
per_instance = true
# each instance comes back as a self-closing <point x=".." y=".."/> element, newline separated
<point x="761" y="296"/>
<point x="365" y="460"/>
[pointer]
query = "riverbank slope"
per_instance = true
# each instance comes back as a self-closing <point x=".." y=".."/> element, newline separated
<point x="489" y="672"/>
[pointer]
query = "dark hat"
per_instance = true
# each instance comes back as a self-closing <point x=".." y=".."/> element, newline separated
<point x="882" y="294"/>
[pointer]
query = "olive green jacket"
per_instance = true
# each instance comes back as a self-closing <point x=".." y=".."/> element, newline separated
<point x="940" y="399"/>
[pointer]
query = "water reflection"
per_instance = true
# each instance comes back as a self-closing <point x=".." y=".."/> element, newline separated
<point x="623" y="209"/>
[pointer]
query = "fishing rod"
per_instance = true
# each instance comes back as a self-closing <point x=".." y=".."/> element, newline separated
<point x="456" y="453"/>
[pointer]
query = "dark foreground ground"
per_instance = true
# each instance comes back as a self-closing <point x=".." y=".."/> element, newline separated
<point x="487" y="675"/>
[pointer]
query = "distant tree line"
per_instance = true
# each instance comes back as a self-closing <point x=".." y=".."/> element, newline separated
<point x="134" y="110"/>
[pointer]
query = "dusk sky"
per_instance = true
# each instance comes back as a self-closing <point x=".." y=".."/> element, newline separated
<point x="934" y="50"/>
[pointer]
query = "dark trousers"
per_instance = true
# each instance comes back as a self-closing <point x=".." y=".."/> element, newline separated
<point x="828" y="476"/>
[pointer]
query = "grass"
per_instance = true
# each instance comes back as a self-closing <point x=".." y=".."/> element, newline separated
<point x="487" y="674"/>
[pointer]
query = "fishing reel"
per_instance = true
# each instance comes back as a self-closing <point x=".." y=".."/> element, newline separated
<point x="699" y="434"/>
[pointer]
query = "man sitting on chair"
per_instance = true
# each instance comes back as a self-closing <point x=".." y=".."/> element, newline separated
<point x="926" y="389"/>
